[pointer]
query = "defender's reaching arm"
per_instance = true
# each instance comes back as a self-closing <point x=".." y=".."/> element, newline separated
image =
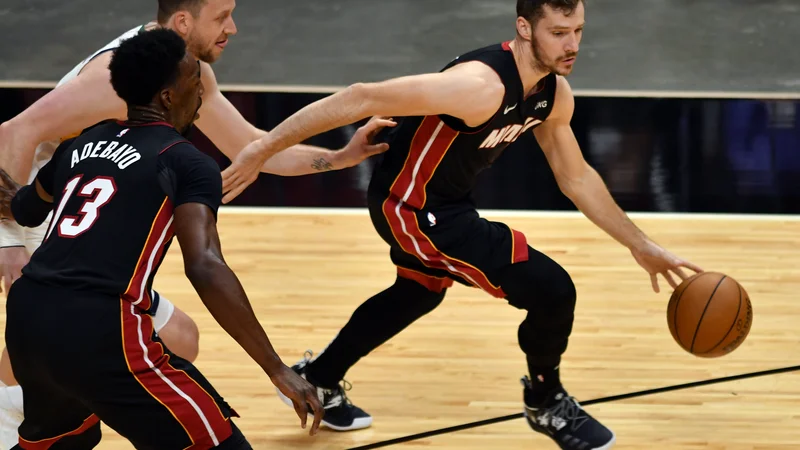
<point x="230" y="132"/>
<point x="470" y="91"/>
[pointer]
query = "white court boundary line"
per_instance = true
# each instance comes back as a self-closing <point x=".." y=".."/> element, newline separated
<point x="301" y="211"/>
<point x="322" y="89"/>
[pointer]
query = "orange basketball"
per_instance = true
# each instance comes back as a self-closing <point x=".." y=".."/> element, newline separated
<point x="709" y="315"/>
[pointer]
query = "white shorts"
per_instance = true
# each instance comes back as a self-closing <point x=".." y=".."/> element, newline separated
<point x="34" y="238"/>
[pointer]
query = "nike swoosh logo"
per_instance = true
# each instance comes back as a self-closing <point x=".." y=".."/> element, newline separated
<point x="509" y="108"/>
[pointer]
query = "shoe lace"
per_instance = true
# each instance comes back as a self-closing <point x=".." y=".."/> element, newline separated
<point x="339" y="391"/>
<point x="569" y="410"/>
<point x="343" y="388"/>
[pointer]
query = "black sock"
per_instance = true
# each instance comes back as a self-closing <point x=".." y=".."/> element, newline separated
<point x="372" y="324"/>
<point x="544" y="380"/>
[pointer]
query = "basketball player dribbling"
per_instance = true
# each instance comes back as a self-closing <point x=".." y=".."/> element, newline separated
<point x="84" y="97"/>
<point x="450" y="126"/>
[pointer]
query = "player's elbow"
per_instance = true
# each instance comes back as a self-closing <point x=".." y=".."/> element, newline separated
<point x="19" y="134"/>
<point x="362" y="100"/>
<point x="200" y="270"/>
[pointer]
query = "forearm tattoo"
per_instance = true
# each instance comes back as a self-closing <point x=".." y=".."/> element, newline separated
<point x="322" y="165"/>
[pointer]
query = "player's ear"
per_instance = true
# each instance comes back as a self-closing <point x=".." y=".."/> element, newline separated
<point x="166" y="96"/>
<point x="524" y="28"/>
<point x="182" y="22"/>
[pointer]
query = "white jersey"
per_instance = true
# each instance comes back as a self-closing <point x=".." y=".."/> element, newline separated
<point x="45" y="150"/>
<point x="33" y="236"/>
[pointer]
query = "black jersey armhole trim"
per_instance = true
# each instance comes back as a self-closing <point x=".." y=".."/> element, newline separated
<point x="173" y="145"/>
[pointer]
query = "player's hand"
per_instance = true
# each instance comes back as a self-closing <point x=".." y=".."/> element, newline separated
<point x="657" y="261"/>
<point x="12" y="260"/>
<point x="303" y="395"/>
<point x="244" y="169"/>
<point x="360" y="146"/>
<point x="8" y="190"/>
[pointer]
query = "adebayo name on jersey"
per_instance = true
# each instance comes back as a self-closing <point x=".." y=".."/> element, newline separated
<point x="123" y="156"/>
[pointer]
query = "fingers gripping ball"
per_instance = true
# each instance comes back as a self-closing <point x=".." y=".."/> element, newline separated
<point x="709" y="315"/>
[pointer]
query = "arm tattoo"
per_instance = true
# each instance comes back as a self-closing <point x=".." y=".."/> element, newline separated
<point x="322" y="165"/>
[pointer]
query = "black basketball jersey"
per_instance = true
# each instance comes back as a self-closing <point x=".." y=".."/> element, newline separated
<point x="434" y="160"/>
<point x="114" y="189"/>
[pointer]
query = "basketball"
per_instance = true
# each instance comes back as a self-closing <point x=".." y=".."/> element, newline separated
<point x="709" y="314"/>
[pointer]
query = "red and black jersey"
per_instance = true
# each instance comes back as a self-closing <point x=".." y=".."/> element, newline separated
<point x="435" y="160"/>
<point x="114" y="190"/>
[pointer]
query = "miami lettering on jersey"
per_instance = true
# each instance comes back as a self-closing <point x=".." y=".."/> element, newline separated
<point x="508" y="133"/>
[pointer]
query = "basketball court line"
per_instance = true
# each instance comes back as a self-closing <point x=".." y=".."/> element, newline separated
<point x="330" y="89"/>
<point x="612" y="398"/>
<point x="500" y="213"/>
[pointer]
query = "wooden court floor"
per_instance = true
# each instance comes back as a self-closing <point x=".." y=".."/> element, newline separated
<point x="305" y="274"/>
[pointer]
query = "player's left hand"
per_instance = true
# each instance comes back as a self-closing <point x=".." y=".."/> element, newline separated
<point x="657" y="261"/>
<point x="8" y="190"/>
<point x="360" y="146"/>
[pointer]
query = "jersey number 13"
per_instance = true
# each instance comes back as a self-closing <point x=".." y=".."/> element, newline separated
<point x="98" y="192"/>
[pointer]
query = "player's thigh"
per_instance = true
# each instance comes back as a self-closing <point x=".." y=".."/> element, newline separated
<point x="45" y="354"/>
<point x="467" y="246"/>
<point x="154" y="398"/>
<point x="55" y="421"/>
<point x="412" y="268"/>
<point x="53" y="418"/>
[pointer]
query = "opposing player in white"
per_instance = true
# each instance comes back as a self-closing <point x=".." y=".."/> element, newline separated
<point x="84" y="97"/>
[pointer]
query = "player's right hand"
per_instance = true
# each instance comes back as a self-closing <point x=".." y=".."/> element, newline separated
<point x="302" y="394"/>
<point x="243" y="171"/>
<point x="12" y="260"/>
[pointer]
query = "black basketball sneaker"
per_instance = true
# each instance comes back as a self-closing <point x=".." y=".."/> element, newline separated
<point x="563" y="420"/>
<point x="340" y="413"/>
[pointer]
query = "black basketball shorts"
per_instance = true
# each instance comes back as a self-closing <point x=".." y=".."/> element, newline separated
<point x="449" y="243"/>
<point x="84" y="357"/>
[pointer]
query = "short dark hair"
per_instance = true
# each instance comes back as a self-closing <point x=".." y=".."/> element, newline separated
<point x="145" y="64"/>
<point x="533" y="10"/>
<point x="166" y="8"/>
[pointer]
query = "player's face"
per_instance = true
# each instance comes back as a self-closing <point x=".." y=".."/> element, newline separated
<point x="187" y="95"/>
<point x="556" y="39"/>
<point x="210" y="30"/>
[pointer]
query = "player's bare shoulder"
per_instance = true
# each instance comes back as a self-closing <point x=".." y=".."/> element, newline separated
<point x="564" y="103"/>
<point x="492" y="84"/>
<point x="486" y="92"/>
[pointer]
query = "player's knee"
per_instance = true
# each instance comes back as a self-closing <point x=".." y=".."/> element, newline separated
<point x="540" y="285"/>
<point x="182" y="336"/>
<point x="563" y="294"/>
<point x="419" y="298"/>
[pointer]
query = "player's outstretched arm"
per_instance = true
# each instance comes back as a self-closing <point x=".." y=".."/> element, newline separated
<point x="223" y="295"/>
<point x="470" y="91"/>
<point x="230" y="132"/>
<point x="584" y="186"/>
<point x="62" y="112"/>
